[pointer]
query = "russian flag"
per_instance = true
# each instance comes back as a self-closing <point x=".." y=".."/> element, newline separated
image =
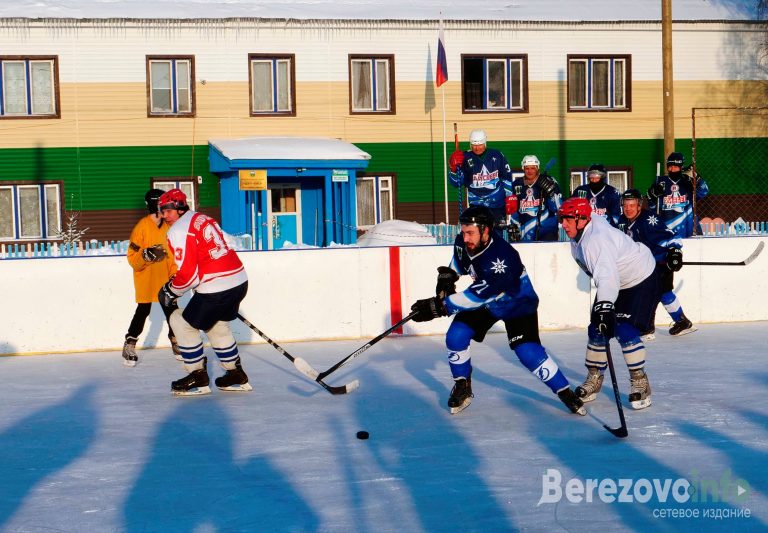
<point x="441" y="73"/>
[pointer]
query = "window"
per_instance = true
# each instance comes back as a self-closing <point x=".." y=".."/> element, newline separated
<point x="29" y="87"/>
<point x="273" y="90"/>
<point x="599" y="83"/>
<point x="371" y="84"/>
<point x="30" y="210"/>
<point x="618" y="178"/>
<point x="494" y="83"/>
<point x="374" y="200"/>
<point x="170" y="89"/>
<point x="186" y="186"/>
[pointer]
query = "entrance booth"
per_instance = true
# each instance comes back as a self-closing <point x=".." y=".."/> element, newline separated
<point x="283" y="190"/>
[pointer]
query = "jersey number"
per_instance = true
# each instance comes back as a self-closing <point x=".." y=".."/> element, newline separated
<point x="212" y="233"/>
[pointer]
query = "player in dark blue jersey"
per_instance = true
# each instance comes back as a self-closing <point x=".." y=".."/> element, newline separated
<point x="604" y="199"/>
<point x="484" y="172"/>
<point x="646" y="227"/>
<point x="500" y="290"/>
<point x="671" y="196"/>
<point x="538" y="199"/>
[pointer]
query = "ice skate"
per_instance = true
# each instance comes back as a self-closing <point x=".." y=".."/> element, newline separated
<point x="588" y="390"/>
<point x="234" y="380"/>
<point x="640" y="389"/>
<point x="571" y="401"/>
<point x="461" y="395"/>
<point x="130" y="358"/>
<point x="195" y="383"/>
<point x="648" y="335"/>
<point x="682" y="327"/>
<point x="175" y="348"/>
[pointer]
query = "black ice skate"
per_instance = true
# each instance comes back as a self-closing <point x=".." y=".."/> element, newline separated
<point x="234" y="380"/>
<point x="130" y="358"/>
<point x="195" y="383"/>
<point x="682" y="327"/>
<point x="640" y="389"/>
<point x="571" y="401"/>
<point x="588" y="390"/>
<point x="461" y="395"/>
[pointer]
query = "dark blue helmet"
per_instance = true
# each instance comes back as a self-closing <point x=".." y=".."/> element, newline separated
<point x="479" y="215"/>
<point x="676" y="158"/>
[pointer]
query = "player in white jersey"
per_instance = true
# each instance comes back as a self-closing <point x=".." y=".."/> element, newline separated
<point x="624" y="273"/>
<point x="209" y="266"/>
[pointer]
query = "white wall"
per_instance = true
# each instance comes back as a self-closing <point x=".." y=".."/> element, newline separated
<point x="86" y="303"/>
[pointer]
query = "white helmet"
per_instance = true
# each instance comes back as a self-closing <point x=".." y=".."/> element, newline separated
<point x="477" y="137"/>
<point x="530" y="161"/>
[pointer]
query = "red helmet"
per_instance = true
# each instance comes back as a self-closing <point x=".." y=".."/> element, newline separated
<point x="173" y="199"/>
<point x="575" y="208"/>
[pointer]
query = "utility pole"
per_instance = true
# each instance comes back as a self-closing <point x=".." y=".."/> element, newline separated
<point x="666" y="55"/>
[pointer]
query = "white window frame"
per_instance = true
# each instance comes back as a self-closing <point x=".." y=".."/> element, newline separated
<point x="381" y="184"/>
<point x="380" y="93"/>
<point x="179" y="88"/>
<point x="509" y="101"/>
<point x="615" y="78"/>
<point x="281" y="85"/>
<point x="619" y="179"/>
<point x="46" y="193"/>
<point x="188" y="187"/>
<point x="37" y="95"/>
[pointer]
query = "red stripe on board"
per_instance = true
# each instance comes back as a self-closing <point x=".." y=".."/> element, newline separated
<point x="395" y="302"/>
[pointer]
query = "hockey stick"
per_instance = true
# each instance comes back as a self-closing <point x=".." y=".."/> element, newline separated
<point x="747" y="261"/>
<point x="364" y="347"/>
<point x="460" y="188"/>
<point x="549" y="165"/>
<point x="620" y="431"/>
<point x="301" y="365"/>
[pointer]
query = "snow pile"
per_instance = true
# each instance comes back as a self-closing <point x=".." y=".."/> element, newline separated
<point x="396" y="233"/>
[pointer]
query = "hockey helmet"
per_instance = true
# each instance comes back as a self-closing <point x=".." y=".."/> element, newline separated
<point x="575" y="208"/>
<point x="631" y="194"/>
<point x="597" y="171"/>
<point x="478" y="215"/>
<point x="173" y="199"/>
<point x="477" y="137"/>
<point x="151" y="199"/>
<point x="530" y="161"/>
<point x="676" y="158"/>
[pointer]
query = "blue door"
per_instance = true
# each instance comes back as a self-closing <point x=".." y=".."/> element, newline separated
<point x="284" y="214"/>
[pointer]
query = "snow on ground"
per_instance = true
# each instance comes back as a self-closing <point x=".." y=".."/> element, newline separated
<point x="90" y="445"/>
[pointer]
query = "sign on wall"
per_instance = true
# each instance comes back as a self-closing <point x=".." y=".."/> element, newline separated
<point x="253" y="180"/>
<point x="340" y="175"/>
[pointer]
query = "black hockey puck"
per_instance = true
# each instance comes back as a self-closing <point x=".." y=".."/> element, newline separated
<point x="362" y="435"/>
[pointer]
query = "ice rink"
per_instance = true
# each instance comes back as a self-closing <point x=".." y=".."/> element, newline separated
<point x="90" y="445"/>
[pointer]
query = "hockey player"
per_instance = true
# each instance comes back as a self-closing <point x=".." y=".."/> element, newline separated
<point x="152" y="266"/>
<point x="500" y="290"/>
<point x="671" y="196"/>
<point x="485" y="172"/>
<point x="624" y="273"/>
<point x="604" y="198"/>
<point x="538" y="199"/>
<point x="645" y="227"/>
<point x="209" y="266"/>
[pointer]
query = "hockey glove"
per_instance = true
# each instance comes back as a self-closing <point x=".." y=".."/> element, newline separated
<point x="674" y="259"/>
<point x="513" y="232"/>
<point x="154" y="253"/>
<point x="446" y="281"/>
<point x="456" y="160"/>
<point x="428" y="309"/>
<point x="547" y="186"/>
<point x="604" y="318"/>
<point x="511" y="204"/>
<point x="655" y="191"/>
<point x="166" y="296"/>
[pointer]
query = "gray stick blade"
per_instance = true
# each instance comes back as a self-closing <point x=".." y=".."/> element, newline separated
<point x="754" y="255"/>
<point x="305" y="368"/>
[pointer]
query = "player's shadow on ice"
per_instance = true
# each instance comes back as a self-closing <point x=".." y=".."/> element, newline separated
<point x="192" y="482"/>
<point x="45" y="442"/>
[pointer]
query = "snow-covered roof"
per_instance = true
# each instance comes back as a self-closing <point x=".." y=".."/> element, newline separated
<point x="281" y="148"/>
<point x="487" y="10"/>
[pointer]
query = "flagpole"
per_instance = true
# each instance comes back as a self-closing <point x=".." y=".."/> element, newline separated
<point x="445" y="158"/>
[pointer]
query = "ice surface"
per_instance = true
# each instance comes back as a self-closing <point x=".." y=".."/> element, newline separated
<point x="90" y="445"/>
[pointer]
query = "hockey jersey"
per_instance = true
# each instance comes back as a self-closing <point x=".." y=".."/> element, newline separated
<point x="530" y="203"/>
<point x="499" y="280"/>
<point x="206" y="263"/>
<point x="648" y="229"/>
<point x="675" y="206"/>
<point x="611" y="258"/>
<point x="149" y="277"/>
<point x="605" y="203"/>
<point x="487" y="178"/>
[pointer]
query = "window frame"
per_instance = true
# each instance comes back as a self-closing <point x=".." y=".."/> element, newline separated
<point x="55" y="89"/>
<point x="376" y="178"/>
<point x="174" y="88"/>
<point x="508" y="59"/>
<point x="625" y="171"/>
<point x="274" y="58"/>
<point x="170" y="182"/>
<point x="43" y="214"/>
<point x="373" y="58"/>
<point x="589" y="60"/>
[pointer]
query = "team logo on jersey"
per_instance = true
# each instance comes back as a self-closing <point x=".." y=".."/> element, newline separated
<point x="498" y="266"/>
<point x="529" y="204"/>
<point x="485" y="179"/>
<point x="518" y="190"/>
<point x="652" y="220"/>
<point x="471" y="272"/>
<point x="582" y="194"/>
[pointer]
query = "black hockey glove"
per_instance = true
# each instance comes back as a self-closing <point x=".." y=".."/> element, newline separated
<point x="674" y="259"/>
<point x="547" y="185"/>
<point x="166" y="296"/>
<point x="154" y="253"/>
<point x="604" y="318"/>
<point x="446" y="281"/>
<point x="428" y="309"/>
<point x="655" y="191"/>
<point x="513" y="232"/>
